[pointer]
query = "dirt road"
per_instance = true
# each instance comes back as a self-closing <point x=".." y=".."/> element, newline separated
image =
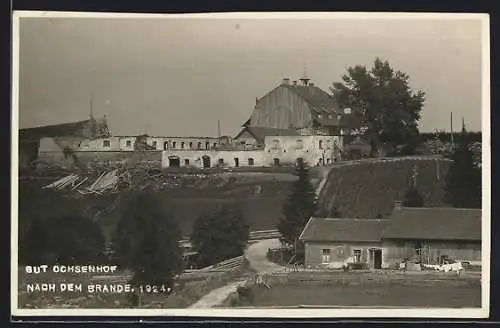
<point x="256" y="255"/>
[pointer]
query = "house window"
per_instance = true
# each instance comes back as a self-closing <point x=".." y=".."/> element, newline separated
<point x="186" y="162"/>
<point x="325" y="255"/>
<point x="207" y="145"/>
<point x="199" y="145"/>
<point x="165" y="145"/>
<point x="250" y="161"/>
<point x="106" y="143"/>
<point x="190" y="145"/>
<point x="221" y="161"/>
<point x="129" y="143"/>
<point x="357" y="255"/>
<point x="215" y="144"/>
<point x="174" y="144"/>
<point x="154" y="144"/>
<point x="182" y="145"/>
<point x="300" y="144"/>
<point x="276" y="144"/>
<point x="321" y="144"/>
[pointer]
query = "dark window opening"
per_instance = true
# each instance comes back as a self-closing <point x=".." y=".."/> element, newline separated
<point x="357" y="255"/>
<point x="321" y="144"/>
<point x="154" y="144"/>
<point x="276" y="161"/>
<point x="186" y="162"/>
<point x="199" y="145"/>
<point x="129" y="143"/>
<point x="215" y="144"/>
<point x="236" y="162"/>
<point x="206" y="161"/>
<point x="207" y="145"/>
<point x="250" y="161"/>
<point x="165" y="145"/>
<point x="106" y="143"/>
<point x="190" y="145"/>
<point x="182" y="145"/>
<point x="174" y="161"/>
<point x="221" y="161"/>
<point x="174" y="144"/>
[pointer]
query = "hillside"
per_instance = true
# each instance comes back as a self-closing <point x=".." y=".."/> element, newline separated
<point x="365" y="190"/>
<point x="186" y="196"/>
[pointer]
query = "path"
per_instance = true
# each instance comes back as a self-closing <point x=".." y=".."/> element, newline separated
<point x="256" y="255"/>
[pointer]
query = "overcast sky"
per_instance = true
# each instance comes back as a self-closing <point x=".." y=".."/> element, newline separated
<point x="177" y="77"/>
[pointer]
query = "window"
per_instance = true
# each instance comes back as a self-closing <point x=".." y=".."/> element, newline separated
<point x="250" y="161"/>
<point x="165" y="145"/>
<point x="215" y="144"/>
<point x="186" y="162"/>
<point x="357" y="255"/>
<point x="174" y="144"/>
<point x="199" y="145"/>
<point x="154" y="144"/>
<point x="221" y="161"/>
<point x="207" y="145"/>
<point x="299" y="144"/>
<point x="325" y="255"/>
<point x="276" y="144"/>
<point x="321" y="144"/>
<point x="182" y="145"/>
<point x="129" y="143"/>
<point x="106" y="143"/>
<point x="191" y="145"/>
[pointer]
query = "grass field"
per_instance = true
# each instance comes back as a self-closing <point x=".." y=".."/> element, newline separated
<point x="368" y="189"/>
<point x="368" y="289"/>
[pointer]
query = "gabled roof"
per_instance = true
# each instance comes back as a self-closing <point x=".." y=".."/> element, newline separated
<point x="342" y="230"/>
<point x="434" y="223"/>
<point x="260" y="132"/>
<point x="324" y="108"/>
<point x="87" y="128"/>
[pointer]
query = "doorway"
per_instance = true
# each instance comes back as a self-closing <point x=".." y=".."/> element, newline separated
<point x="174" y="161"/>
<point x="206" y="161"/>
<point x="276" y="161"/>
<point x="376" y="258"/>
<point x="236" y="162"/>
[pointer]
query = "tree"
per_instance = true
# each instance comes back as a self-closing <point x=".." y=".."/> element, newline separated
<point x="220" y="234"/>
<point x="299" y="207"/>
<point x="463" y="180"/>
<point x="383" y="107"/>
<point x="413" y="198"/>
<point x="65" y="239"/>
<point x="146" y="241"/>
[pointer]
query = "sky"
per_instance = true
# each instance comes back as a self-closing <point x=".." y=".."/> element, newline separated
<point x="178" y="77"/>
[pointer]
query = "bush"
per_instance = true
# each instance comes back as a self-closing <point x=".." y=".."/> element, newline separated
<point x="63" y="240"/>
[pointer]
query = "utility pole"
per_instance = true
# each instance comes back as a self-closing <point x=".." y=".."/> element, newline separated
<point x="437" y="154"/>
<point x="218" y="129"/>
<point x="451" y="129"/>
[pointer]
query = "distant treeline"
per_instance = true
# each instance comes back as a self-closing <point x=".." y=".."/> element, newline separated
<point x="446" y="136"/>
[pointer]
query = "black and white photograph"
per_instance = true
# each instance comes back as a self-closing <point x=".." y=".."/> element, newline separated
<point x="290" y="165"/>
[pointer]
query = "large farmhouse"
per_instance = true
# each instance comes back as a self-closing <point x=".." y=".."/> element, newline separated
<point x="291" y="109"/>
<point x="425" y="234"/>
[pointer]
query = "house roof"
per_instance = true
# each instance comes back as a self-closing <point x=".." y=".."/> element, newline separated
<point x="260" y="132"/>
<point x="323" y="106"/>
<point x="342" y="230"/>
<point x="87" y="128"/>
<point x="434" y="223"/>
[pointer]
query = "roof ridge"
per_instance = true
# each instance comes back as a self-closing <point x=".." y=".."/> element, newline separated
<point x="441" y="208"/>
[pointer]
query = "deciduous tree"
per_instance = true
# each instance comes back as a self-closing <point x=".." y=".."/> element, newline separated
<point x="146" y="241"/>
<point x="383" y="106"/>
<point x="219" y="235"/>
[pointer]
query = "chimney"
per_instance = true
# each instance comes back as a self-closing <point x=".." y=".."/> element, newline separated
<point x="286" y="81"/>
<point x="398" y="205"/>
<point x="294" y="82"/>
